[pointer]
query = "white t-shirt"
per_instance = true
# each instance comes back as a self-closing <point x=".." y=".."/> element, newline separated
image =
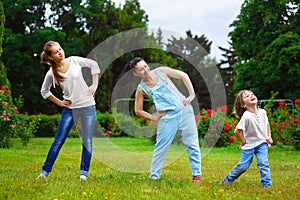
<point x="74" y="87"/>
<point x="255" y="128"/>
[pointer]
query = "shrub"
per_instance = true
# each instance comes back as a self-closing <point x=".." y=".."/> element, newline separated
<point x="27" y="125"/>
<point x="215" y="127"/>
<point x="8" y="116"/>
<point x="284" y="124"/>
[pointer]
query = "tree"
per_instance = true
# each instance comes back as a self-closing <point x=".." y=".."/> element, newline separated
<point x="226" y="67"/>
<point x="3" y="76"/>
<point x="262" y="40"/>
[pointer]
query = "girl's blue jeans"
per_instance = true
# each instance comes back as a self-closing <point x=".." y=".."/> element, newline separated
<point x="84" y="119"/>
<point x="261" y="152"/>
<point x="184" y="122"/>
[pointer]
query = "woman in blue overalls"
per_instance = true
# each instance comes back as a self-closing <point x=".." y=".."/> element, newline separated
<point x="174" y="113"/>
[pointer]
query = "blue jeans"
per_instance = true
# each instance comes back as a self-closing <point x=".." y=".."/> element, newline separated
<point x="261" y="152"/>
<point x="81" y="116"/>
<point x="168" y="125"/>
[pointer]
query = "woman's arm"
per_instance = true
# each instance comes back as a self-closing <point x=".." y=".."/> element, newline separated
<point x="138" y="107"/>
<point x="92" y="89"/>
<point x="184" y="77"/>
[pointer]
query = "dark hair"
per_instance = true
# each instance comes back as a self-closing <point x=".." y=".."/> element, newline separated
<point x="129" y="65"/>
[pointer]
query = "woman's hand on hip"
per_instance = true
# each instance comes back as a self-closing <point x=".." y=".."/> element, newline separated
<point x="188" y="100"/>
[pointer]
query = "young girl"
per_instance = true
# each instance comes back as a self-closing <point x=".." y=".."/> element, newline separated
<point x="253" y="130"/>
<point x="78" y="102"/>
<point x="174" y="112"/>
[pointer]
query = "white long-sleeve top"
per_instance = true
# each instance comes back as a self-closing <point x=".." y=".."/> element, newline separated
<point x="74" y="87"/>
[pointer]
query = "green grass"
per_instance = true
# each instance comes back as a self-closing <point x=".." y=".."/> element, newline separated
<point x="20" y="166"/>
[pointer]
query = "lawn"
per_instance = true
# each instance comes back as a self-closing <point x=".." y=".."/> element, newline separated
<point x="119" y="170"/>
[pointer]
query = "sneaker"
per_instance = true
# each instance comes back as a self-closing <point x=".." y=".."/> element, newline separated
<point x="83" y="177"/>
<point x="225" y="182"/>
<point x="197" y="178"/>
<point x="267" y="186"/>
<point x="41" y="176"/>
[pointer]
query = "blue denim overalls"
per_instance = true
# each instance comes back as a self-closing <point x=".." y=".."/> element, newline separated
<point x="178" y="117"/>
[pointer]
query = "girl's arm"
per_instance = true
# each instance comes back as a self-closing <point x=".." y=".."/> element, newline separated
<point x="184" y="77"/>
<point x="269" y="137"/>
<point x="239" y="134"/>
<point x="138" y="107"/>
<point x="61" y="103"/>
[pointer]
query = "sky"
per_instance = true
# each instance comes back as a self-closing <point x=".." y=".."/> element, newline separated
<point x="209" y="17"/>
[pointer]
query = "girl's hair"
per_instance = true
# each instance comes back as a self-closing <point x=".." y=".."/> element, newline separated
<point x="239" y="103"/>
<point x="129" y="65"/>
<point x="45" y="58"/>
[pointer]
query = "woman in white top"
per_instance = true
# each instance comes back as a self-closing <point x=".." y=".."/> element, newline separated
<point x="78" y="102"/>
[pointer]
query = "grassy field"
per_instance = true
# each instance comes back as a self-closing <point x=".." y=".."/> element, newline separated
<point x="20" y="166"/>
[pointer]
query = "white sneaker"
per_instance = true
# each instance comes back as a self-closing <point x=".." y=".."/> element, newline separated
<point x="83" y="177"/>
<point x="41" y="176"/>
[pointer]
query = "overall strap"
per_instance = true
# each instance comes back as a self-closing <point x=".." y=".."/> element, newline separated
<point x="145" y="88"/>
<point x="160" y="76"/>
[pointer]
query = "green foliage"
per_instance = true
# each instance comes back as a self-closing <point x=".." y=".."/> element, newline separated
<point x="216" y="132"/>
<point x="9" y="110"/>
<point x="266" y="40"/>
<point x="26" y="127"/>
<point x="284" y="123"/>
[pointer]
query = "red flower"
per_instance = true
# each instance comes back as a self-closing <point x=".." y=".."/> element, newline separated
<point x="219" y="109"/>
<point x="209" y="112"/>
<point x="214" y="128"/>
<point x="148" y="122"/>
<point x="274" y="123"/>
<point x="225" y="108"/>
<point x="3" y="87"/>
<point x="281" y="104"/>
<point x="284" y="123"/>
<point x="203" y="118"/>
<point x="226" y="127"/>
<point x="294" y="119"/>
<point x="196" y="117"/>
<point x="280" y="127"/>
<point x="297" y="101"/>
<point x="278" y="137"/>
<point x="232" y="138"/>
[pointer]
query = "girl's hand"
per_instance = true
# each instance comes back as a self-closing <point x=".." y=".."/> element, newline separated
<point x="66" y="103"/>
<point x="91" y="90"/>
<point x="269" y="140"/>
<point x="243" y="143"/>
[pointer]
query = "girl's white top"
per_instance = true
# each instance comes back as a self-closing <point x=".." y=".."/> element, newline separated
<point x="255" y="128"/>
<point x="74" y="87"/>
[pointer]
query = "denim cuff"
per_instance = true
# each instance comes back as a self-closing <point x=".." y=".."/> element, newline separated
<point x="83" y="172"/>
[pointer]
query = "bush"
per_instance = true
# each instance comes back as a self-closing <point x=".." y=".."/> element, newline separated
<point x="216" y="127"/>
<point x="284" y="123"/>
<point x="8" y="116"/>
